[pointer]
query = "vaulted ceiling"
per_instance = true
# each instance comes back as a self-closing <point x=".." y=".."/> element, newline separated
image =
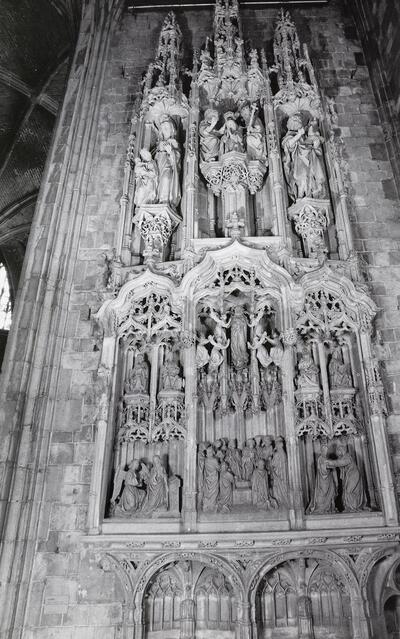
<point x="37" y="39"/>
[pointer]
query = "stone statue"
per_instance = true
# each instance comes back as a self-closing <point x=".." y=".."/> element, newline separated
<point x="308" y="378"/>
<point x="249" y="459"/>
<point x="233" y="459"/>
<point x="226" y="483"/>
<point x="210" y="489"/>
<point x="260" y="494"/>
<point x="296" y="158"/>
<point x="156" y="487"/>
<point x="171" y="379"/>
<point x="353" y="494"/>
<point x="255" y="145"/>
<point x="265" y="450"/>
<point x="232" y="136"/>
<point x="132" y="496"/>
<point x="316" y="184"/>
<point x="138" y="378"/>
<point x="202" y="355"/>
<point x="280" y="480"/>
<point x="325" y="489"/>
<point x="219" y="343"/>
<point x="303" y="159"/>
<point x="239" y="353"/>
<point x="146" y="179"/>
<point x="209" y="136"/>
<point x="168" y="158"/>
<point x="339" y="372"/>
<point x="262" y="353"/>
<point x="276" y="350"/>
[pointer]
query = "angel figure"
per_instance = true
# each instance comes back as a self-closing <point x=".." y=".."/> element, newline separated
<point x="276" y="350"/>
<point x="131" y="498"/>
<point x="221" y="321"/>
<point x="202" y="355"/>
<point x="262" y="353"/>
<point x="219" y="343"/>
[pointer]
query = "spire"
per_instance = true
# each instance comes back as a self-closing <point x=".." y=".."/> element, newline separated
<point x="166" y="69"/>
<point x="294" y="71"/>
<point x="286" y="49"/>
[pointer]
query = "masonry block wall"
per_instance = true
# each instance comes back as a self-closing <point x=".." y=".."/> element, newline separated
<point x="68" y="595"/>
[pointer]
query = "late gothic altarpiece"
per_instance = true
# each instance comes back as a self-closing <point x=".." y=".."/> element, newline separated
<point x="241" y="433"/>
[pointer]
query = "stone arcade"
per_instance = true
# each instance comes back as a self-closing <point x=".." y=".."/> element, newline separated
<point x="241" y="484"/>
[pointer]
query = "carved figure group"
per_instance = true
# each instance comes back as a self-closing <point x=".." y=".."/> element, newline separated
<point x="326" y="491"/>
<point x="140" y="490"/>
<point x="230" y="137"/>
<point x="303" y="159"/>
<point x="223" y="467"/>
<point x="158" y="180"/>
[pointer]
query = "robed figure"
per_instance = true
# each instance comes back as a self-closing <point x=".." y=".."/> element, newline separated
<point x="353" y="494"/>
<point x="210" y="481"/>
<point x="325" y="489"/>
<point x="168" y="158"/>
<point x="156" y="488"/>
<point x="296" y="160"/>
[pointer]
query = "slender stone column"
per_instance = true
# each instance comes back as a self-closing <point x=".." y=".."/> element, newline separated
<point x="296" y="512"/>
<point x="41" y="315"/>
<point x="190" y="475"/>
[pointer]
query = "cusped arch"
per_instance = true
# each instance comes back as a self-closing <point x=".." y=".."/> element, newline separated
<point x="272" y="276"/>
<point x="355" y="300"/>
<point x="152" y="567"/>
<point x="374" y="574"/>
<point x="334" y="560"/>
<point x="134" y="289"/>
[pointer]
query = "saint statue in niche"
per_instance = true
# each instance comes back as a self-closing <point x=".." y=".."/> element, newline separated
<point x="260" y="494"/>
<point x="239" y="353"/>
<point x="156" y="487"/>
<point x="168" y="158"/>
<point x="353" y="494"/>
<point x="138" y="378"/>
<point x="279" y="468"/>
<point x="325" y="490"/>
<point x="316" y="186"/>
<point x="308" y="378"/>
<point x="255" y="146"/>
<point x="295" y="160"/>
<point x="210" y="137"/>
<point x="303" y="159"/>
<point x="171" y="379"/>
<point x="232" y="136"/>
<point x="339" y="372"/>
<point x="146" y="179"/>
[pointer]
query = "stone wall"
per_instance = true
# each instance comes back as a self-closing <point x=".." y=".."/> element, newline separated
<point x="378" y="25"/>
<point x="69" y="596"/>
